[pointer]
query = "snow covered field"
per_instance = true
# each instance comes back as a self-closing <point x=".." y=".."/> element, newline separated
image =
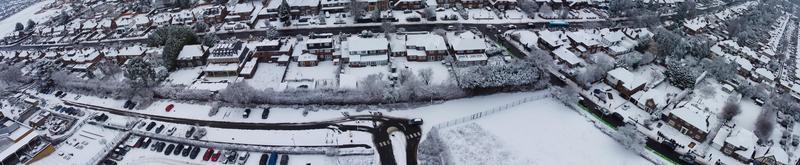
<point x="31" y="13"/>
<point x="538" y="132"/>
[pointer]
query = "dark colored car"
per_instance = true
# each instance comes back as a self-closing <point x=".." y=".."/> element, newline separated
<point x="160" y="147"/>
<point x="284" y="159"/>
<point x="169" y="149"/>
<point x="265" y="113"/>
<point x="146" y="142"/>
<point x="160" y="128"/>
<point x="195" y="151"/>
<point x="264" y="158"/>
<point x="186" y="151"/>
<point x="150" y="126"/>
<point x="246" y="113"/>
<point x="189" y="132"/>
<point x="178" y="149"/>
<point x="208" y="153"/>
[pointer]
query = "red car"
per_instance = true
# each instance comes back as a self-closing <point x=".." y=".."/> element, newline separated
<point x="216" y="155"/>
<point x="207" y="155"/>
<point x="169" y="107"/>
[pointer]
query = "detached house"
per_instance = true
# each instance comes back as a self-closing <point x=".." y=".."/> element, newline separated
<point x="740" y="145"/>
<point x="625" y="82"/>
<point x="226" y="59"/>
<point x="691" y="122"/>
<point x="270" y="49"/>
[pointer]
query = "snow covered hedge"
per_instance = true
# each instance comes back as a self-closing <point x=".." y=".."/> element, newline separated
<point x="514" y="75"/>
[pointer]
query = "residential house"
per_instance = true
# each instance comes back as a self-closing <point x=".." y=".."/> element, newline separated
<point x="425" y="47"/>
<point x="192" y="56"/>
<point x="763" y="75"/>
<point x="21" y="144"/>
<point x="228" y="52"/>
<point x="242" y="11"/>
<point x="503" y="4"/>
<point x="271" y="49"/>
<point x="566" y="57"/>
<point x="467" y="48"/>
<point x="366" y="51"/>
<point x="550" y="40"/>
<point x="214" y="14"/>
<point x="249" y="69"/>
<point x="322" y="47"/>
<point x="691" y="121"/>
<point x="307" y="59"/>
<point x="625" y="82"/>
<point x="740" y="144"/>
<point x="772" y="155"/>
<point x="408" y="4"/>
<point x="334" y="6"/>
<point x="297" y="8"/>
<point x="585" y="41"/>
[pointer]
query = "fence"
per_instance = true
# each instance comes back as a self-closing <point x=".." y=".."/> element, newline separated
<point x="492" y="111"/>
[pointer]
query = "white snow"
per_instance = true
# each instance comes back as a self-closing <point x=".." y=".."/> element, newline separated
<point x="31" y="13"/>
<point x="547" y="132"/>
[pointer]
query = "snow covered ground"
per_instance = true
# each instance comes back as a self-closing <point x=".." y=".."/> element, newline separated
<point x="87" y="143"/>
<point x="538" y="132"/>
<point x="268" y="75"/>
<point x="441" y="73"/>
<point x="31" y="13"/>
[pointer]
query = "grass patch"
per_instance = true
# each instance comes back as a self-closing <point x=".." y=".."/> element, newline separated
<point x="597" y="117"/>
<point x="662" y="156"/>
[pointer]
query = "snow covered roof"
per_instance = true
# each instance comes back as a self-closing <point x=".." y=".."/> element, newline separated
<point x="696" y="24"/>
<point x="629" y="80"/>
<point x="243" y="8"/>
<point x="743" y="138"/>
<point x="564" y="54"/>
<point x="229" y="67"/>
<point x="694" y="117"/>
<point x="471" y="57"/>
<point x="584" y="37"/>
<point x="191" y="51"/>
<point x="319" y="40"/>
<point x="428" y="41"/>
<point x="553" y="38"/>
<point x="307" y="57"/>
<point x="766" y="74"/>
<point x="357" y="44"/>
<point x="526" y="37"/>
<point x="466" y="41"/>
<point x="135" y="50"/>
<point x="778" y="153"/>
<point x="612" y="36"/>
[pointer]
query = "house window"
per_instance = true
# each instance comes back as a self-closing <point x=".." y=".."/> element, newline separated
<point x="684" y="130"/>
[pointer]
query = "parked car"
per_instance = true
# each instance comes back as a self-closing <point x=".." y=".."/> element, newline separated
<point x="169" y="149"/>
<point x="189" y="132"/>
<point x="187" y="150"/>
<point x="169" y="107"/>
<point x="246" y="113"/>
<point x="265" y="113"/>
<point x="178" y="149"/>
<point x="195" y="151"/>
<point x="243" y="158"/>
<point x="146" y="142"/>
<point x="284" y="159"/>
<point x="150" y="126"/>
<point x="264" y="158"/>
<point x="160" y="128"/>
<point x="171" y="131"/>
<point x="440" y="9"/>
<point x="216" y="155"/>
<point x="415" y="121"/>
<point x="207" y="155"/>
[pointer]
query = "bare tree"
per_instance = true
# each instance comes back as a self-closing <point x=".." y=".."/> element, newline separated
<point x="426" y="75"/>
<point x="765" y="124"/>
<point x="357" y="9"/>
<point x="528" y="6"/>
<point x="730" y="110"/>
<point x="387" y="28"/>
<point x="568" y="95"/>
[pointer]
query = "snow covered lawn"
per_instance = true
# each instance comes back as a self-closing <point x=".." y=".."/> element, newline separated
<point x="351" y="76"/>
<point x="268" y="75"/>
<point x="185" y="76"/>
<point x="538" y="132"/>
<point x="441" y="74"/>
